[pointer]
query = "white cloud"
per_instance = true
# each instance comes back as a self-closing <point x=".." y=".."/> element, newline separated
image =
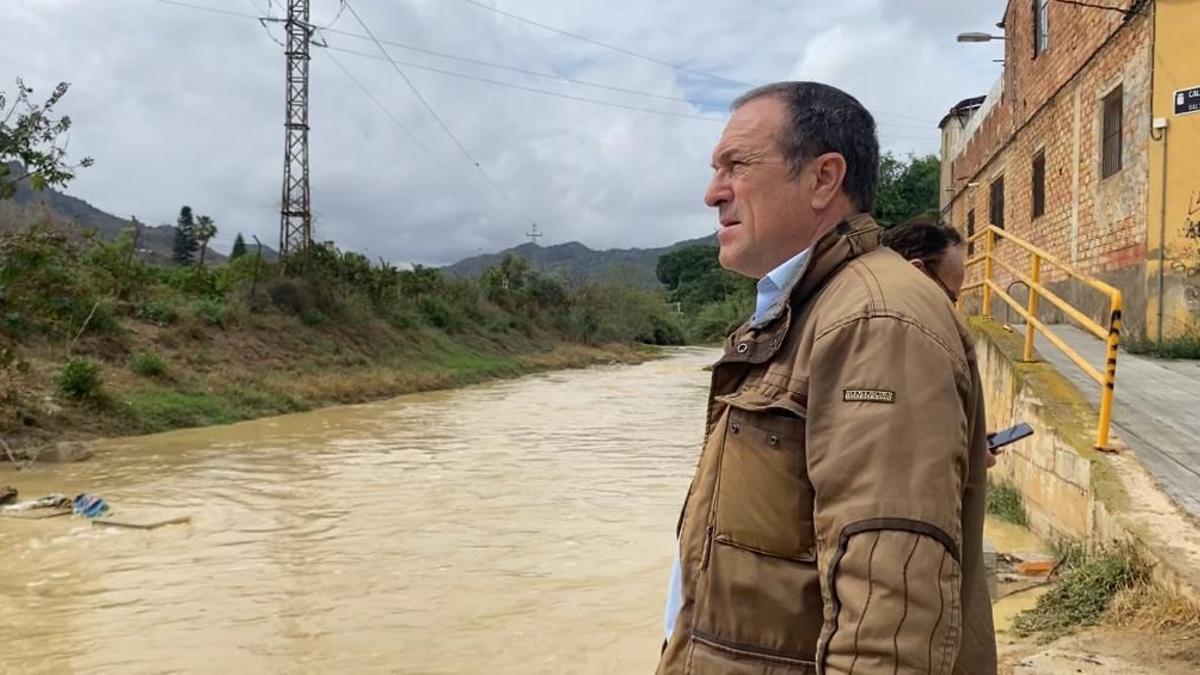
<point x="182" y="106"/>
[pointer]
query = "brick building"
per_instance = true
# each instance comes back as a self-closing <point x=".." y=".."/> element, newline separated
<point x="1079" y="148"/>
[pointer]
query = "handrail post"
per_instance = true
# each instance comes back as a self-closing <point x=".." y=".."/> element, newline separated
<point x="1110" y="372"/>
<point x="988" y="245"/>
<point x="1035" y="275"/>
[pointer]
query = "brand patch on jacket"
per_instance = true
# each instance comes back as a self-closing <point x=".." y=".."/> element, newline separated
<point x="869" y="395"/>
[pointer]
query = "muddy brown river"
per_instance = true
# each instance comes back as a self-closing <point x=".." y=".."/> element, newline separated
<point x="518" y="527"/>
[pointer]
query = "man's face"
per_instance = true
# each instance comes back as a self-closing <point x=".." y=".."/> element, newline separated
<point x="762" y="208"/>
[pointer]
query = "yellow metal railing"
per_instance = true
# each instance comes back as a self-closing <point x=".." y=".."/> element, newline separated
<point x="1110" y="334"/>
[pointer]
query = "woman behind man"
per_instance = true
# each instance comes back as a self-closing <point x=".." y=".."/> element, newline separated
<point x="936" y="250"/>
<point x="933" y="248"/>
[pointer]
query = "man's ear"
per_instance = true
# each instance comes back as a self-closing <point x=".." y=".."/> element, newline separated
<point x="918" y="263"/>
<point x="828" y="174"/>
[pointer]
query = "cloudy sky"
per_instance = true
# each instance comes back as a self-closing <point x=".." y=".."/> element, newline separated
<point x="183" y="106"/>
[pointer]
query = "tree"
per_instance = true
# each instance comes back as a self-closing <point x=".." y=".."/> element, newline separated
<point x="907" y="188"/>
<point x="239" y="248"/>
<point x="205" y="230"/>
<point x="29" y="135"/>
<point x="694" y="277"/>
<point x="184" y="250"/>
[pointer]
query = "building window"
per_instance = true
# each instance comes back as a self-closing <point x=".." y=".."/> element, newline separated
<point x="1039" y="184"/>
<point x="1041" y="27"/>
<point x="996" y="206"/>
<point x="1110" y="156"/>
<point x="971" y="233"/>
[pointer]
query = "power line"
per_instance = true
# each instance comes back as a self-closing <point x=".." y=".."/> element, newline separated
<point x="180" y="3"/>
<point x="606" y="45"/>
<point x="877" y="113"/>
<point x="433" y="113"/>
<point x="524" y="71"/>
<point x="337" y="17"/>
<point x="570" y="80"/>
<point x="205" y="8"/>
<point x="534" y="90"/>
<point x="403" y="127"/>
<point x="255" y="6"/>
<point x="571" y="97"/>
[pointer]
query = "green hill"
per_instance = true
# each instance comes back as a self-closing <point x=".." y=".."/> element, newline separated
<point x="575" y="262"/>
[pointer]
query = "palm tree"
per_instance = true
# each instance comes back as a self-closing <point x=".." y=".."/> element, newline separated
<point x="205" y="230"/>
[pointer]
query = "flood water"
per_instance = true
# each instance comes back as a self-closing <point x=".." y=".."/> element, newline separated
<point x="517" y="527"/>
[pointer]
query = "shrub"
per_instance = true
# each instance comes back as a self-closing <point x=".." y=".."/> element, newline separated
<point x="15" y="323"/>
<point x="160" y="312"/>
<point x="211" y="311"/>
<point x="313" y="317"/>
<point x="148" y="364"/>
<point x="714" y="322"/>
<point x="437" y="313"/>
<point x="404" y="318"/>
<point x="44" y="284"/>
<point x="1082" y="594"/>
<point x="1005" y="502"/>
<point x="80" y="379"/>
<point x="291" y="295"/>
<point x="1182" y="347"/>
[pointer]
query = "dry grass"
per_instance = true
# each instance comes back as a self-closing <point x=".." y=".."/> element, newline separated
<point x="1148" y="606"/>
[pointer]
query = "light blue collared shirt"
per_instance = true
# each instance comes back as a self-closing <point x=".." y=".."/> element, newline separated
<point x="770" y="288"/>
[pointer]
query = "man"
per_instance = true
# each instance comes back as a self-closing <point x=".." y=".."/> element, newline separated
<point x="934" y="249"/>
<point x="834" y="523"/>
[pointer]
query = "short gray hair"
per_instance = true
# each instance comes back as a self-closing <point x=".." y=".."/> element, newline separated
<point x="825" y="119"/>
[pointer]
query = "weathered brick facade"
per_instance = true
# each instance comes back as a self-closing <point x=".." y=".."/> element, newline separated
<point x="1054" y="104"/>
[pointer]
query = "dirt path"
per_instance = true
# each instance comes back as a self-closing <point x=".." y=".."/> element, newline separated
<point x="1103" y="650"/>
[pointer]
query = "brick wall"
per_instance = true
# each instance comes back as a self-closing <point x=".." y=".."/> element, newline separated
<point x="1054" y="104"/>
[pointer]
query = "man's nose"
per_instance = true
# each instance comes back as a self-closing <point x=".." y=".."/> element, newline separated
<point x="719" y="191"/>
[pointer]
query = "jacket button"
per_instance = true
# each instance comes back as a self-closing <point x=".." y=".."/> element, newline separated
<point x="773" y="441"/>
<point x="735" y="428"/>
<point x="743" y="348"/>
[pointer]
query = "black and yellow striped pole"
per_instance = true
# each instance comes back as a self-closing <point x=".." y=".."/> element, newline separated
<point x="1110" y="371"/>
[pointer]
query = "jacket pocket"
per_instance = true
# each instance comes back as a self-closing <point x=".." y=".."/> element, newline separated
<point x="710" y="655"/>
<point x="764" y="498"/>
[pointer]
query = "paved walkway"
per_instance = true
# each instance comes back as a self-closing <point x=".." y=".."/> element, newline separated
<point x="1156" y="410"/>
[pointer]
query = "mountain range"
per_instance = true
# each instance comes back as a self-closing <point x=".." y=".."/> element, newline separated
<point x="155" y="243"/>
<point x="576" y="262"/>
<point x="572" y="261"/>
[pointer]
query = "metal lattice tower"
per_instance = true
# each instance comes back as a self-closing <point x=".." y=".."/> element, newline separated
<point x="295" y="214"/>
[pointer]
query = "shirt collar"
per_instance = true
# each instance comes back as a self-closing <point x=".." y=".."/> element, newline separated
<point x="771" y="286"/>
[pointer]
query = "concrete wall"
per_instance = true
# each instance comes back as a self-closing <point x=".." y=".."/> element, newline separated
<point x="1051" y="474"/>
<point x="1072" y="493"/>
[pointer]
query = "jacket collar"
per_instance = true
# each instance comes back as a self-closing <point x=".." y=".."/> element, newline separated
<point x="758" y="340"/>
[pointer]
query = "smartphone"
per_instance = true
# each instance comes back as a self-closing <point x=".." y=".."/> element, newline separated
<point x="1006" y="436"/>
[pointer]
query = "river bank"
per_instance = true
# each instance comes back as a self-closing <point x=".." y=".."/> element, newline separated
<point x="95" y="342"/>
<point x="1145" y="629"/>
<point x="269" y="364"/>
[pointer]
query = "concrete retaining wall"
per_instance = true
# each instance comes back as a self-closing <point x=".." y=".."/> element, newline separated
<point x="1071" y="492"/>
<point x="1054" y="479"/>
